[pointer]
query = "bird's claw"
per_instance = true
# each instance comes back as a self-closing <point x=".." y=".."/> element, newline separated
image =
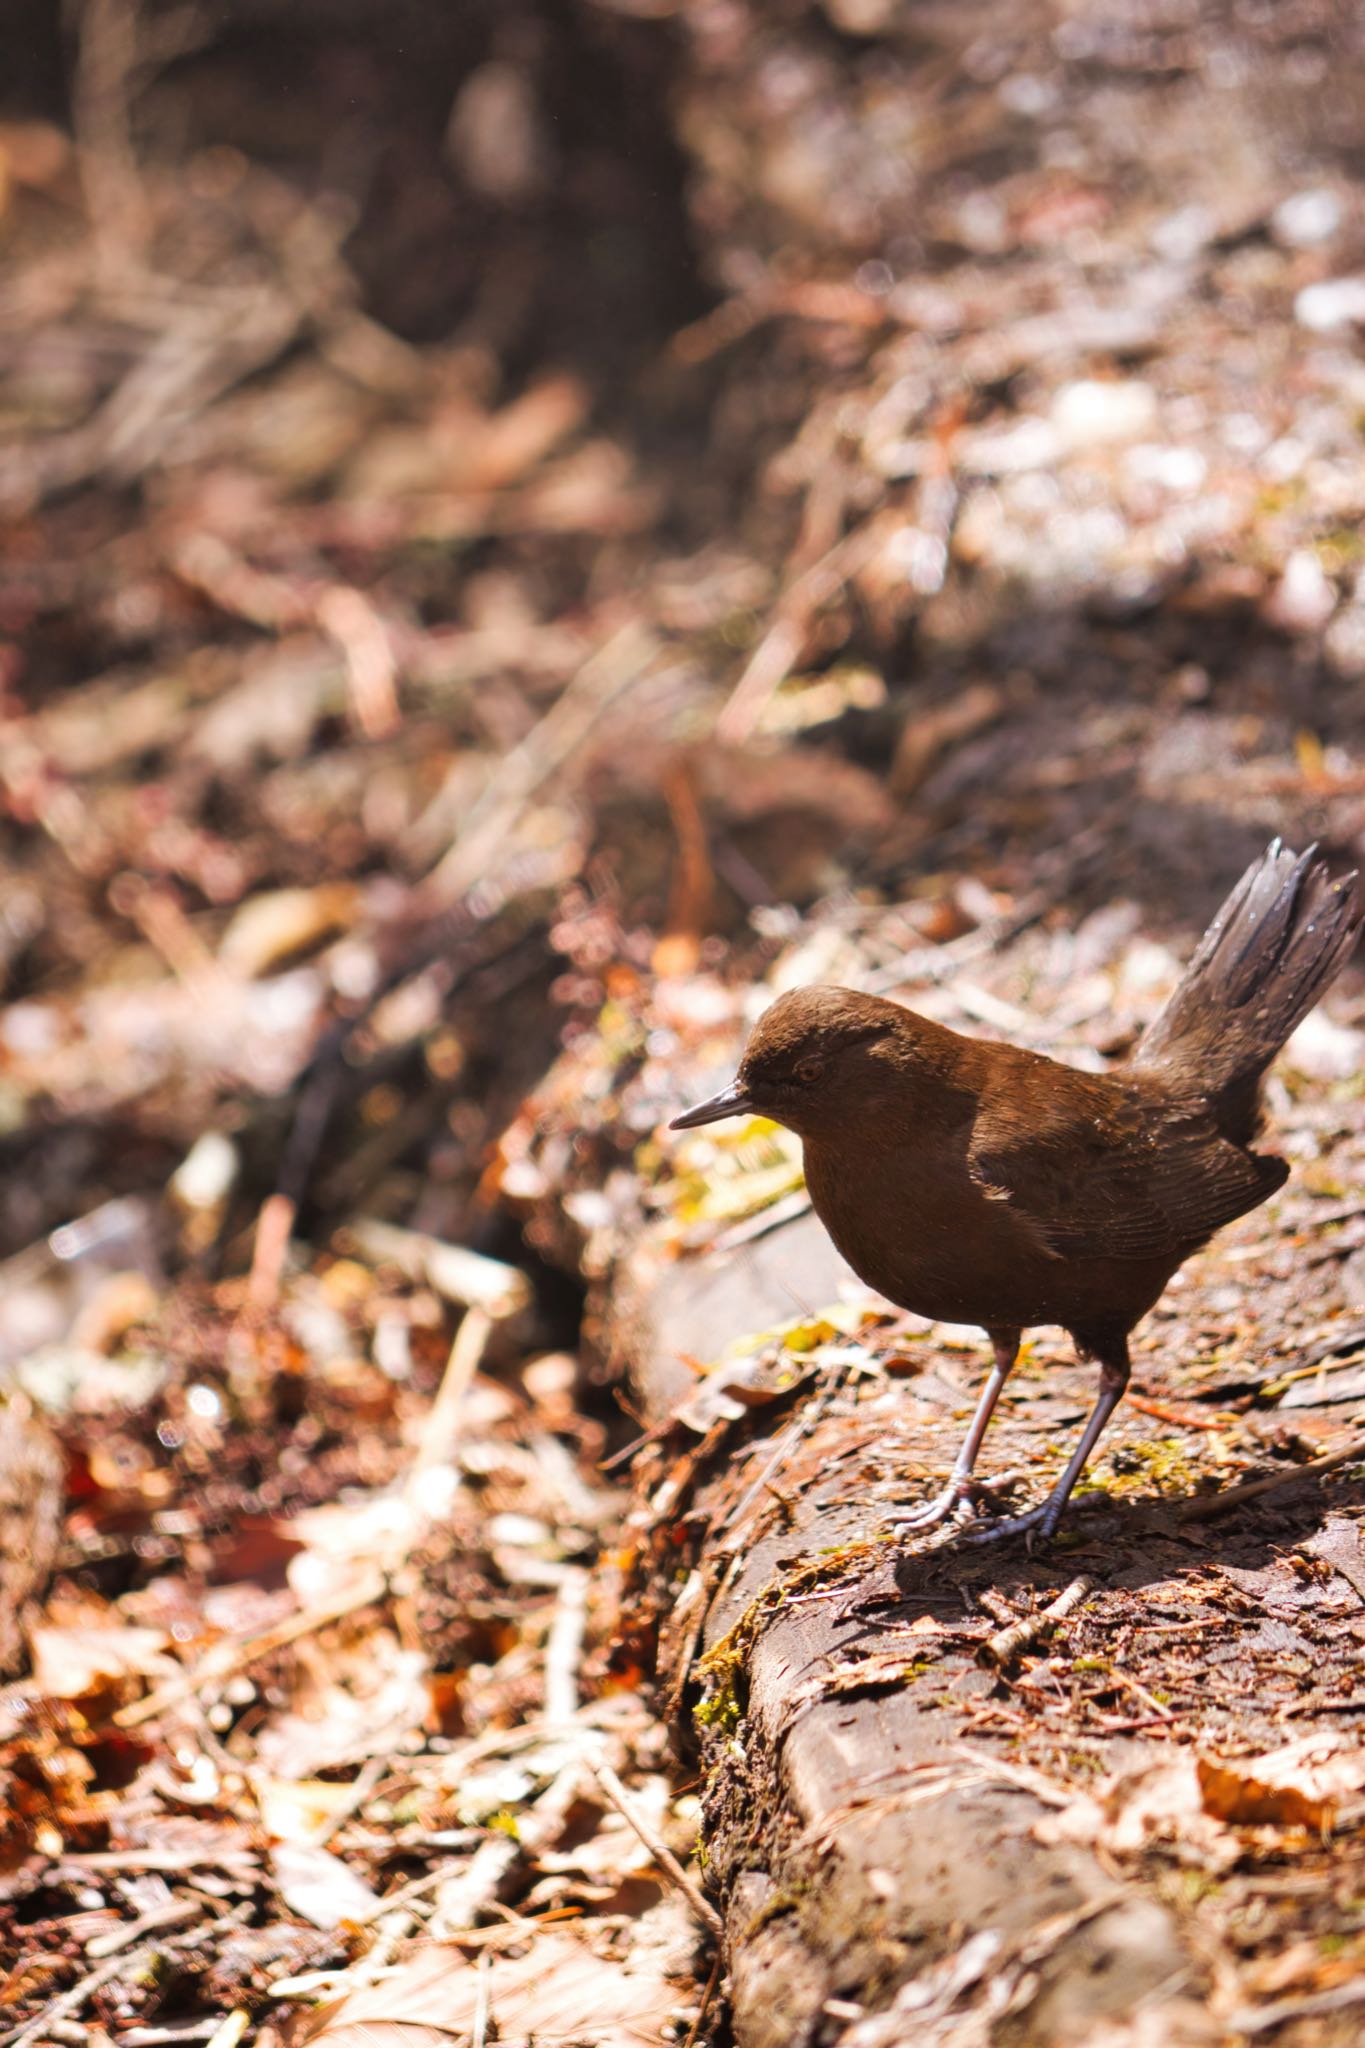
<point x="1038" y="1525"/>
<point x="932" y="1512"/>
<point x="957" y="1493"/>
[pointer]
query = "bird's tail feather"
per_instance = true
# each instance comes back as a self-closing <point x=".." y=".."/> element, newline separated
<point x="1276" y="944"/>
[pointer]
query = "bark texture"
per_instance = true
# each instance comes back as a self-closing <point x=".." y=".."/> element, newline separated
<point x="32" y="1475"/>
<point x="888" y="1872"/>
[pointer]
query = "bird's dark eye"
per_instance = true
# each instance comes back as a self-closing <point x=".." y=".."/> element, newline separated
<point x="809" y="1070"/>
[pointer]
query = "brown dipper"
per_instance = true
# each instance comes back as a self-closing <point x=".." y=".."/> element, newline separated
<point x="973" y="1182"/>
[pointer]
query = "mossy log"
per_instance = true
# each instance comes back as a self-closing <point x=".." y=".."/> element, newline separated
<point x="892" y="1860"/>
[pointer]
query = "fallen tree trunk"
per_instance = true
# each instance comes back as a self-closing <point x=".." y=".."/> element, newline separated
<point x="906" y="1844"/>
<point x="1106" y="1793"/>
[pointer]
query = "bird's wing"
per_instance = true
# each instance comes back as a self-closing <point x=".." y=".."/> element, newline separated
<point x="1124" y="1173"/>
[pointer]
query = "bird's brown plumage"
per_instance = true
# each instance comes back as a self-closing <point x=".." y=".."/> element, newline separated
<point x="979" y="1183"/>
<point x="972" y="1181"/>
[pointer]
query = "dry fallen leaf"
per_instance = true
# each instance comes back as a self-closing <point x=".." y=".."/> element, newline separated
<point x="1298" y="1786"/>
<point x="293" y="1810"/>
<point x="735" y="1387"/>
<point x="1156" y="1803"/>
<point x="318" y="1886"/>
<point x="1190" y="1803"/>
<point x="281" y="923"/>
<point x="76" y="1663"/>
<point x="521" y="434"/>
<point x="558" y="1994"/>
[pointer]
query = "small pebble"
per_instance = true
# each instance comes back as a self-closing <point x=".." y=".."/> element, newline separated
<point x="1093" y="413"/>
<point x="1335" y="303"/>
<point x="205" y="1176"/>
<point x="1306" y="218"/>
<point x="1326" y="1051"/>
<point x="1304" y="599"/>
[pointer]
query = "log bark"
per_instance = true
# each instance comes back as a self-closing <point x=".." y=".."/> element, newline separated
<point x="887" y="1871"/>
<point x="32" y="1473"/>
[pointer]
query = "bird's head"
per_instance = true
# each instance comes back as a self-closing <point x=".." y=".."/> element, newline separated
<point x="812" y="1062"/>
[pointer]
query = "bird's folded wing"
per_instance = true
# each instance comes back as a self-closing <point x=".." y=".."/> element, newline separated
<point x="1129" y="1176"/>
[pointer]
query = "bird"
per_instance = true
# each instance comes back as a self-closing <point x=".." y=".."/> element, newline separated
<point x="973" y="1181"/>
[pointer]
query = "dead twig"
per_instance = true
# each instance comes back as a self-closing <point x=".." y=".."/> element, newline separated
<point x="366" y="1780"/>
<point x="997" y="1606"/>
<point x="347" y="617"/>
<point x="564" y="1647"/>
<point x="470" y="1278"/>
<point x="170" y="1915"/>
<point x="1208" y="1506"/>
<point x="800" y="1427"/>
<point x="663" y="1856"/>
<point x="475" y="1889"/>
<point x="1181" y="1417"/>
<point x="1001" y="1649"/>
<point x="1149" y="1699"/>
<point x="707" y="1995"/>
<point x="441" y="1430"/>
<point x="483" y="2002"/>
<point x="546" y="749"/>
<point x="127" y="1961"/>
<point x="232" y="2030"/>
<point x="396" y="1902"/>
<point x="391" y="1930"/>
<point x="274" y="1228"/>
<point x="777" y="653"/>
<point x="107" y="62"/>
<point x="224" y="1659"/>
<point x="1264" y="2019"/>
<point x="694" y="882"/>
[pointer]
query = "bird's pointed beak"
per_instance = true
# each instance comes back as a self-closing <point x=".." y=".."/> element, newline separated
<point x="731" y="1101"/>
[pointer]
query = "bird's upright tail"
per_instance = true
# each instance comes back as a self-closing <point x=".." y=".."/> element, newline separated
<point x="1276" y="944"/>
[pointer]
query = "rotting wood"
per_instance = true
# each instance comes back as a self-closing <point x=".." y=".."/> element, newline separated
<point x="879" y="1880"/>
<point x="663" y="1855"/>
<point x="30" y="1521"/>
<point x="849" y="1842"/>
<point x="1021" y="1635"/>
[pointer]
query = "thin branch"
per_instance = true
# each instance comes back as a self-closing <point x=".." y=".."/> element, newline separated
<point x="223" y="1660"/>
<point x="126" y="1962"/>
<point x="663" y="1856"/>
<point x="440" y="1432"/>
<point x="547" y="748"/>
<point x="564" y="1648"/>
<point x="1208" y="1506"/>
<point x="1001" y="1649"/>
<point x="705" y="2006"/>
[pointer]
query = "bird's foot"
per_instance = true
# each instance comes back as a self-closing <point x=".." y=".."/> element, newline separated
<point x="962" y="1487"/>
<point x="932" y="1511"/>
<point x="1038" y="1524"/>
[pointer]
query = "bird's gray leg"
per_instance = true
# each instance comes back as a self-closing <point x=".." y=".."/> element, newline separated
<point x="1005" y="1344"/>
<point x="1114" y="1372"/>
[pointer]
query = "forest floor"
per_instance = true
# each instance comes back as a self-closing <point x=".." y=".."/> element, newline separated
<point x="522" y="538"/>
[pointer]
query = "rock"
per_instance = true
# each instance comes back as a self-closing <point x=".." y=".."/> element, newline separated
<point x="1335" y="303"/>
<point x="1093" y="413"/>
<point x="1324" y="1050"/>
<point x="1304" y="599"/>
<point x="1344" y="642"/>
<point x="1306" y="218"/>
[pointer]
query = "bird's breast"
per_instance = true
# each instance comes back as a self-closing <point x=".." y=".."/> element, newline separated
<point x="920" y="1230"/>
